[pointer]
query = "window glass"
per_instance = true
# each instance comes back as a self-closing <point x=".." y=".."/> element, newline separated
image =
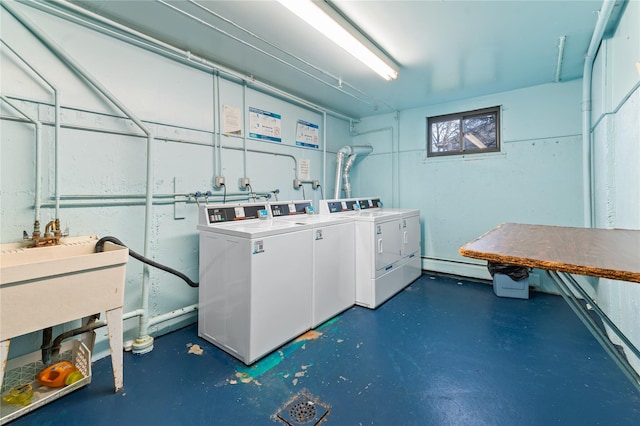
<point x="464" y="133"/>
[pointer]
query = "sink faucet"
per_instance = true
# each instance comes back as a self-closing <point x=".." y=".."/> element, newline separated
<point x="51" y="236"/>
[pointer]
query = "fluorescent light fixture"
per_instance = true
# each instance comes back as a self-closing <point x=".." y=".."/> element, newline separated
<point x="315" y="16"/>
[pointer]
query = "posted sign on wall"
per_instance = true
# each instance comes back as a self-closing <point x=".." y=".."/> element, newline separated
<point x="265" y="125"/>
<point x="307" y="134"/>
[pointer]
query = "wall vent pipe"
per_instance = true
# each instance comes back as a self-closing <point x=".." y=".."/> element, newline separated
<point x="342" y="168"/>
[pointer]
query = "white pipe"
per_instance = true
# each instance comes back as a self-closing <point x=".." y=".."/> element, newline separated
<point x="151" y="44"/>
<point x="369" y="101"/>
<point x="173" y="314"/>
<point x="324" y="150"/>
<point x="244" y="129"/>
<point x="298" y="59"/>
<point x="166" y="139"/>
<point x="218" y="134"/>
<point x="130" y="202"/>
<point x="347" y="150"/>
<point x="38" y="189"/>
<point x="587" y="155"/>
<point x="56" y="98"/>
<point x="169" y="196"/>
<point x="561" y="42"/>
<point x="57" y="150"/>
<point x="395" y="143"/>
<point x="157" y="319"/>
<point x="144" y="341"/>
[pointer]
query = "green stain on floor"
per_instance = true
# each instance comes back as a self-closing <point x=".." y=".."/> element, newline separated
<point x="249" y="374"/>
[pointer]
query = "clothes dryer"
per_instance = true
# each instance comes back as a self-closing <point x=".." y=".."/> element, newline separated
<point x="410" y="234"/>
<point x="387" y="247"/>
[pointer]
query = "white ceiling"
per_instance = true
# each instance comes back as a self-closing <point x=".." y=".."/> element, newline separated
<point x="446" y="50"/>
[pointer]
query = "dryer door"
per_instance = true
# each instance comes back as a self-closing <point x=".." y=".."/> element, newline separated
<point x="388" y="241"/>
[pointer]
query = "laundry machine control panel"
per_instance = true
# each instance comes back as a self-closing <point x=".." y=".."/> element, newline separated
<point x="347" y="205"/>
<point x="290" y="208"/>
<point x="338" y="206"/>
<point x="370" y="203"/>
<point x="227" y="213"/>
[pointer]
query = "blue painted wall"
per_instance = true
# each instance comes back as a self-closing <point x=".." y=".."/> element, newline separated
<point x="536" y="178"/>
<point x="103" y="155"/>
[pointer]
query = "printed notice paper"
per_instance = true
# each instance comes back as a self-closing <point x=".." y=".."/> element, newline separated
<point x="307" y="134"/>
<point x="232" y="122"/>
<point x="265" y="125"/>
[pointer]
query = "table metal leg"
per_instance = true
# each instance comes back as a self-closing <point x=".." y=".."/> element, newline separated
<point x="566" y="285"/>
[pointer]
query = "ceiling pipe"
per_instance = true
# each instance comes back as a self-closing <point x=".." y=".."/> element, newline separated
<point x="284" y="52"/>
<point x="73" y="13"/>
<point x="587" y="155"/>
<point x="342" y="169"/>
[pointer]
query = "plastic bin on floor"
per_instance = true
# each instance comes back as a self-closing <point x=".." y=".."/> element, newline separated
<point x="504" y="286"/>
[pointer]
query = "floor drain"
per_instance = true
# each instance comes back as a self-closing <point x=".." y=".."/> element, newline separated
<point x="303" y="412"/>
<point x="303" y="409"/>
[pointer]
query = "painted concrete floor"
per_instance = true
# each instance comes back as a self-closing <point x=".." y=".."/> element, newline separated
<point x="445" y="351"/>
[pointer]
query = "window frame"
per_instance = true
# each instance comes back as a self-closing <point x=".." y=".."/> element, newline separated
<point x="461" y="116"/>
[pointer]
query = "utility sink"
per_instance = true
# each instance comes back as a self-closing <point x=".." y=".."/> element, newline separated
<point x="45" y="286"/>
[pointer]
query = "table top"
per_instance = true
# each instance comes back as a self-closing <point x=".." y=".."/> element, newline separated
<point x="606" y="253"/>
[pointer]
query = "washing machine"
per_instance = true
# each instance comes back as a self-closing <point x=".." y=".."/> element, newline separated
<point x="333" y="241"/>
<point x="387" y="255"/>
<point x="255" y="279"/>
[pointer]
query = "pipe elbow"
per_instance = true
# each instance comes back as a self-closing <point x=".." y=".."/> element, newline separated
<point x="50" y="227"/>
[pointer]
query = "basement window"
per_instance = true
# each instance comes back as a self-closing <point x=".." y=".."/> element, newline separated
<point x="469" y="132"/>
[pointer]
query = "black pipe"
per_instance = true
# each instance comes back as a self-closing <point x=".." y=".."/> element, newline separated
<point x="50" y="349"/>
<point x="47" y="335"/>
<point x="100" y="249"/>
<point x="54" y="347"/>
